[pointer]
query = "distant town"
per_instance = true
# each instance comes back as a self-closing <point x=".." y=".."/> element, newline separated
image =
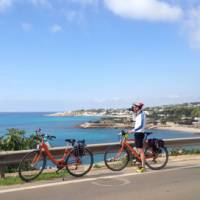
<point x="182" y="117"/>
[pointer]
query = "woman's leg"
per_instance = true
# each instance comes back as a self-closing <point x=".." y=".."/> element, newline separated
<point x="141" y="150"/>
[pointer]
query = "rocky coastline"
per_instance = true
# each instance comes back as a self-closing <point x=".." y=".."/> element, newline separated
<point x="109" y="122"/>
<point x="180" y="117"/>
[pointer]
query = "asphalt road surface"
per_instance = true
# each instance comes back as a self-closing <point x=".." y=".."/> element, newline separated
<point x="181" y="183"/>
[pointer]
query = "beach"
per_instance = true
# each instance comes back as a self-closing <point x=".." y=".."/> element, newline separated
<point x="179" y="128"/>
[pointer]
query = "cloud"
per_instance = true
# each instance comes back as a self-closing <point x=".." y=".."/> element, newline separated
<point x="71" y="15"/>
<point x="26" y="26"/>
<point x="56" y="28"/>
<point x="185" y="12"/>
<point x="173" y="96"/>
<point x="85" y="2"/>
<point x="104" y="100"/>
<point x="111" y="101"/>
<point x="150" y="10"/>
<point x="74" y="16"/>
<point x="191" y="25"/>
<point x="187" y="16"/>
<point x="5" y="4"/>
<point x="43" y="3"/>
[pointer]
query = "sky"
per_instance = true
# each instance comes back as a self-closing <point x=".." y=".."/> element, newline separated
<point x="58" y="55"/>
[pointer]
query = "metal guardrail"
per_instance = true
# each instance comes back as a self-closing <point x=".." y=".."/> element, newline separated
<point x="13" y="157"/>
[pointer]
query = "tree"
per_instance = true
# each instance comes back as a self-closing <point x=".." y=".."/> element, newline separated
<point x="196" y="112"/>
<point x="1" y="143"/>
<point x="15" y="140"/>
<point x="163" y="121"/>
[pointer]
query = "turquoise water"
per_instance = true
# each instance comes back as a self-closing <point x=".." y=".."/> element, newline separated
<point x="66" y="127"/>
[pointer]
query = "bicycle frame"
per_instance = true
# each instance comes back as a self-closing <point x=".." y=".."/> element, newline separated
<point x="125" y="144"/>
<point x="43" y="148"/>
<point x="72" y="160"/>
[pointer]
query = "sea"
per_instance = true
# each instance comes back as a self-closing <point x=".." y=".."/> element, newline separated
<point x="68" y="127"/>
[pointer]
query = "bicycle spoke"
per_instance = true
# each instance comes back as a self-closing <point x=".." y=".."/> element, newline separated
<point x="32" y="166"/>
<point x="116" y="159"/>
<point x="79" y="165"/>
<point x="156" y="159"/>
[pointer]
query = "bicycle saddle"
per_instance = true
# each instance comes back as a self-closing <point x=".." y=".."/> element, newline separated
<point x="148" y="133"/>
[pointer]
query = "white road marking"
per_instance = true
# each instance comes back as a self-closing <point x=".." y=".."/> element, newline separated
<point x="92" y="179"/>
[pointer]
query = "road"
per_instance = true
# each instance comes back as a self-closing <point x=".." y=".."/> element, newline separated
<point x="178" y="183"/>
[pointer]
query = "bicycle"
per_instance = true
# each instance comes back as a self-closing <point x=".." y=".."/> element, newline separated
<point x="77" y="158"/>
<point x="117" y="158"/>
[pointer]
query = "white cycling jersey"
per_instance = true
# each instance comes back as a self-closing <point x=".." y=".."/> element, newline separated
<point x="140" y="121"/>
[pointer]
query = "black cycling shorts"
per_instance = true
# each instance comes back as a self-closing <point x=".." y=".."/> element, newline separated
<point x="139" y="139"/>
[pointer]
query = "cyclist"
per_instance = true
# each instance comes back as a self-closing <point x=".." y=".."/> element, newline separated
<point x="138" y="131"/>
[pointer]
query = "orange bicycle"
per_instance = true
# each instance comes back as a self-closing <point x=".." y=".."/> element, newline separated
<point x="77" y="159"/>
<point x="117" y="158"/>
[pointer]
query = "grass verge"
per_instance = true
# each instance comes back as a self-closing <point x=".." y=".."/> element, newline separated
<point x="13" y="180"/>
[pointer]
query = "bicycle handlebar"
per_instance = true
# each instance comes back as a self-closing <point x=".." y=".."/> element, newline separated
<point x="48" y="137"/>
<point x="125" y="133"/>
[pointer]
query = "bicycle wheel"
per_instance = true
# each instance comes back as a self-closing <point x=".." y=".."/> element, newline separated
<point x="79" y="165"/>
<point x="156" y="159"/>
<point x="116" y="159"/>
<point x="32" y="165"/>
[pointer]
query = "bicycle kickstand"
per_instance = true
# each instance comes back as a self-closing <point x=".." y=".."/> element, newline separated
<point x="63" y="173"/>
